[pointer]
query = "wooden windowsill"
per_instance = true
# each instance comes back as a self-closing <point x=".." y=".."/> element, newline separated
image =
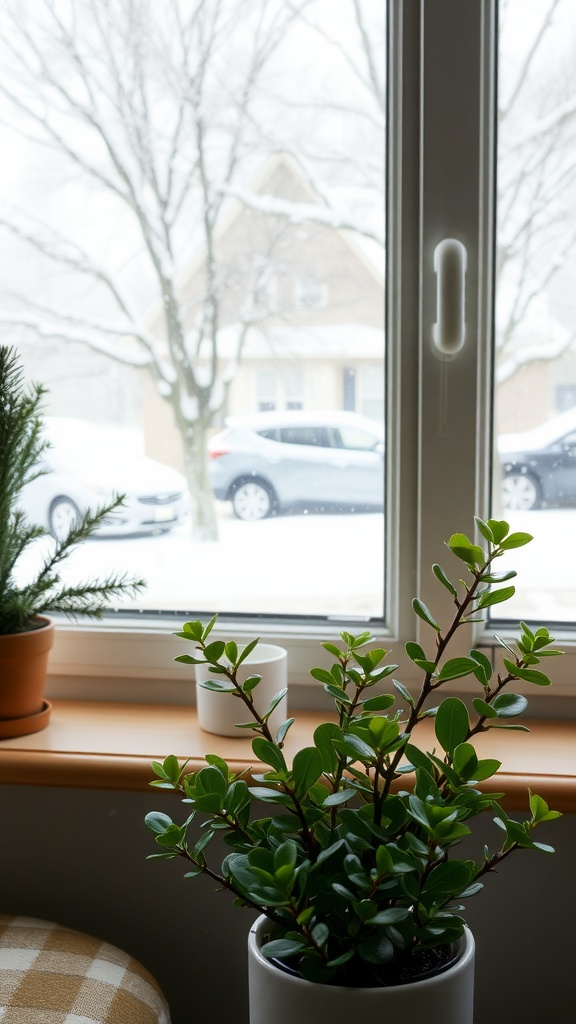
<point x="97" y="745"/>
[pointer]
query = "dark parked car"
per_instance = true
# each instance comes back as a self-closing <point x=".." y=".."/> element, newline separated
<point x="274" y="462"/>
<point x="539" y="465"/>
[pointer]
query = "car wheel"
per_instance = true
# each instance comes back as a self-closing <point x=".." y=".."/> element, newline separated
<point x="520" y="492"/>
<point x="253" y="500"/>
<point x="63" y="514"/>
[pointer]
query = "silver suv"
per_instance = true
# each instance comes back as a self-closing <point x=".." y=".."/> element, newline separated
<point x="274" y="462"/>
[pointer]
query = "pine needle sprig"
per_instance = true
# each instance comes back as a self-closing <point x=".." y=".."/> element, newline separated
<point x="22" y="445"/>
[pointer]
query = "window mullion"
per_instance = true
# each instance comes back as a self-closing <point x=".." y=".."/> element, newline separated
<point x="456" y="190"/>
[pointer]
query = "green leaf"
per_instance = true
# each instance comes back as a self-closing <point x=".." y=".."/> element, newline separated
<point x="381" y="703"/>
<point x="390" y="916"/>
<point x="509" y="705"/>
<point x="529" y="675"/>
<point x="324" y="736"/>
<point x="465" y="550"/>
<point x="214" y="651"/>
<point x="404" y="692"/>
<point x="218" y="762"/>
<point x="282" y="948"/>
<point x="286" y="855"/>
<point x="498" y="577"/>
<point x="355" y="750"/>
<point x="415" y="652"/>
<point x="306" y="769"/>
<point x="441" y="575"/>
<point x="332" y="649"/>
<point x="322" y="675"/>
<point x="483" y="709"/>
<point x="157" y="822"/>
<point x="210" y="781"/>
<point x="495" y="724"/>
<point x="485" y="668"/>
<point x="496" y="597"/>
<point x="540" y="810"/>
<point x="485" y="529"/>
<point x="250" y="683"/>
<point x="338" y="694"/>
<point x="231" y="651"/>
<point x="246" y="651"/>
<point x="500" y="529"/>
<point x="217" y="687"/>
<point x="417" y="757"/>
<point x="465" y="761"/>
<point x="192" y="630"/>
<point x="451" y="724"/>
<point x="320" y="933"/>
<point x="172" y="836"/>
<point x="281" y="734"/>
<point x="456" y="668"/>
<point x="274" y="703"/>
<point x="422" y="611"/>
<point x="209" y="627"/>
<point x="384" y="862"/>
<point x="269" y="795"/>
<point x="269" y="753"/>
<point x="341" y="797"/>
<point x="450" y="877"/>
<point x="486" y="768"/>
<point x="516" y="540"/>
<point x="168" y="770"/>
<point x="376" y="950"/>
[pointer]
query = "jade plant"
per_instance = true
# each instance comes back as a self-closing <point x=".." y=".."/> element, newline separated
<point x="350" y="849"/>
<point x="22" y="446"/>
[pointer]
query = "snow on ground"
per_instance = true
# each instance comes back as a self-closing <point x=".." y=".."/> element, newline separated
<point x="296" y="565"/>
<point x="312" y="564"/>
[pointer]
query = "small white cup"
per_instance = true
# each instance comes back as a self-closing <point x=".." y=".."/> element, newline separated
<point x="219" y="713"/>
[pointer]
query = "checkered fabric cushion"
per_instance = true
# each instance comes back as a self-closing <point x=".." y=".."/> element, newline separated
<point x="52" y="975"/>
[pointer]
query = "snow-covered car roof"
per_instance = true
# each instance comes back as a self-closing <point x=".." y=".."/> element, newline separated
<point x="541" y="436"/>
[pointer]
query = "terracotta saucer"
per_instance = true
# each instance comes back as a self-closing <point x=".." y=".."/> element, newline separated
<point x="26" y="725"/>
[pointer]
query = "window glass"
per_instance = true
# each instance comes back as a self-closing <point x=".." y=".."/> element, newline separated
<point x="357" y="438"/>
<point x="166" y="181"/>
<point x="535" y="364"/>
<point x="312" y="436"/>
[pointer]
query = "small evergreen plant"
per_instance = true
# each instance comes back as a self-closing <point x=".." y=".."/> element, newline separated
<point x="354" y="864"/>
<point x="22" y="444"/>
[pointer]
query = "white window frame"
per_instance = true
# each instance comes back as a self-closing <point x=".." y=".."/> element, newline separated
<point x="439" y="185"/>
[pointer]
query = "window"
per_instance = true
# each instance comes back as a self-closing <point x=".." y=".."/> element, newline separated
<point x="303" y="185"/>
<point x="534" y="370"/>
<point x="310" y="293"/>
<point x="279" y="389"/>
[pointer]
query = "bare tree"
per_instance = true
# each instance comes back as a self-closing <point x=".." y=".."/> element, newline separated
<point x="153" y="107"/>
<point x="536" y="182"/>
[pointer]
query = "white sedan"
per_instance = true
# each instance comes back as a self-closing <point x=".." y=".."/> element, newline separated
<point x="87" y="465"/>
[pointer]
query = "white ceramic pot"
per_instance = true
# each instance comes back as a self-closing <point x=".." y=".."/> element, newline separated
<point x="219" y="713"/>
<point x="280" y="998"/>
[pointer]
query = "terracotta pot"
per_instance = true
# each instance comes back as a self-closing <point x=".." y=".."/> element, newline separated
<point x="23" y="669"/>
<point x="445" y="998"/>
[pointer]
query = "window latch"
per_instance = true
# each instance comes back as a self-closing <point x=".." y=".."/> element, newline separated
<point x="449" y="331"/>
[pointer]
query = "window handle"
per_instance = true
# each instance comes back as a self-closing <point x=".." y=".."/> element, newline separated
<point x="449" y="331"/>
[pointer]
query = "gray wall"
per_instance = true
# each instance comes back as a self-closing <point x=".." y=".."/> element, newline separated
<point x="79" y="857"/>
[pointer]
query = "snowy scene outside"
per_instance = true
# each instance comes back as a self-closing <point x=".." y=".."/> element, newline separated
<point x="203" y="240"/>
<point x="186" y="236"/>
<point x="535" y="358"/>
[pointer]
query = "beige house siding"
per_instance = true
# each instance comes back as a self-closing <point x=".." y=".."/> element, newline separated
<point x="315" y="344"/>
